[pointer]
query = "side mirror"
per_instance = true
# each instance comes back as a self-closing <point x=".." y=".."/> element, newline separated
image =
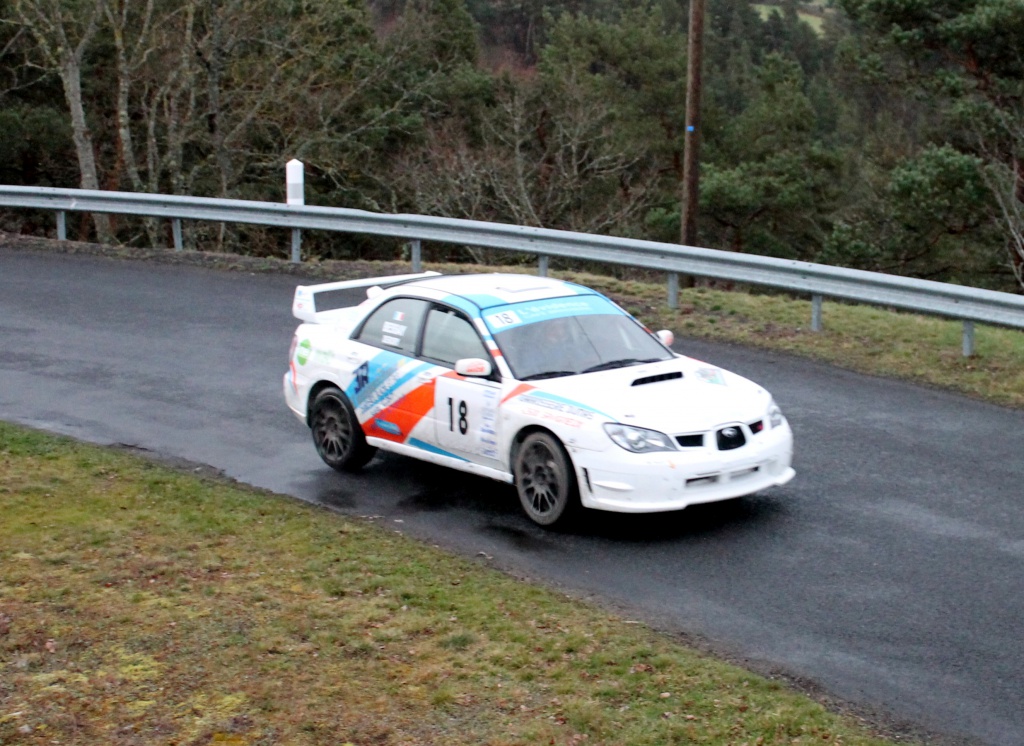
<point x="666" y="337"/>
<point x="476" y="367"/>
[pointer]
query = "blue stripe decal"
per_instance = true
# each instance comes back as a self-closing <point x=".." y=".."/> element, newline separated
<point x="468" y="303"/>
<point x="485" y="301"/>
<point x="422" y="445"/>
<point x="367" y="375"/>
<point x="538" y="394"/>
<point x="373" y="397"/>
<point x="566" y="289"/>
<point x="517" y="314"/>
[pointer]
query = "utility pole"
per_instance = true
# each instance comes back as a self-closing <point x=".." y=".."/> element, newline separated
<point x="691" y="141"/>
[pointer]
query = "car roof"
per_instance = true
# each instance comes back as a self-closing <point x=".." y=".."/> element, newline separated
<point x="501" y="288"/>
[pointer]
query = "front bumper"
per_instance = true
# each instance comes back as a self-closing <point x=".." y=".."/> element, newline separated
<point x="624" y="482"/>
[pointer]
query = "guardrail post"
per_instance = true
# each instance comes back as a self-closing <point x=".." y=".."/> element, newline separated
<point x="296" y="183"/>
<point x="542" y="265"/>
<point x="816" y="313"/>
<point x="968" y="339"/>
<point x="416" y="255"/>
<point x="179" y="244"/>
<point x="673" y="290"/>
<point x="62" y="225"/>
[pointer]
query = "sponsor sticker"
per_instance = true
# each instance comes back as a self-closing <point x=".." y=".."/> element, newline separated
<point x="503" y="319"/>
<point x="391" y="380"/>
<point x="362" y="377"/>
<point x="558" y="407"/>
<point x="388" y="427"/>
<point x="551" y="308"/>
<point x="303" y="351"/>
<point x="711" y="375"/>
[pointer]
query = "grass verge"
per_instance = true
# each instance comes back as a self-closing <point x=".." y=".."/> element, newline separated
<point x="144" y="605"/>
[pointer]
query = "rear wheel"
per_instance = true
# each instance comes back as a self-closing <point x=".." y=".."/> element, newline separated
<point x="545" y="480"/>
<point x="338" y="437"/>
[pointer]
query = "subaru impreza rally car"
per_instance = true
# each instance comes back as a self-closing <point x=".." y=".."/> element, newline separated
<point x="533" y="381"/>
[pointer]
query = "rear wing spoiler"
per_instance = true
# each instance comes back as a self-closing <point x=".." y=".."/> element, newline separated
<point x="304" y="303"/>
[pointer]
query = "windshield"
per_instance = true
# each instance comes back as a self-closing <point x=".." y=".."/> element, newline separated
<point x="566" y="336"/>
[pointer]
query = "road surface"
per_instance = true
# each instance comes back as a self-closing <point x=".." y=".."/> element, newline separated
<point x="889" y="574"/>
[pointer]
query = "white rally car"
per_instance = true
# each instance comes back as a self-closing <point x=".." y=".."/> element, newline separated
<point x="529" y="380"/>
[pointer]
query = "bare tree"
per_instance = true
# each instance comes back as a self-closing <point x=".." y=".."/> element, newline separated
<point x="12" y="49"/>
<point x="63" y="31"/>
<point x="343" y="97"/>
<point x="558" y="161"/>
<point x="124" y="18"/>
<point x="158" y="74"/>
<point x="546" y="159"/>
<point x="1007" y="184"/>
<point x="198" y="77"/>
<point x="1003" y="147"/>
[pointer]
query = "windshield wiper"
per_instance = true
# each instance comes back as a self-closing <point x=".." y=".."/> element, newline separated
<point x="626" y="361"/>
<point x="549" y="374"/>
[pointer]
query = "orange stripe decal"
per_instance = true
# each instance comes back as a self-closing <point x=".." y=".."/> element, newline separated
<point x="404" y="414"/>
<point x="517" y="391"/>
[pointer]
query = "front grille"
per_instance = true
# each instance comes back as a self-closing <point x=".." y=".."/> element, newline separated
<point x="690" y="441"/>
<point x="742" y="473"/>
<point x="730" y="438"/>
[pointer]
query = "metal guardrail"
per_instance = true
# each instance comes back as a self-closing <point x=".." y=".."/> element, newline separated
<point x="819" y="281"/>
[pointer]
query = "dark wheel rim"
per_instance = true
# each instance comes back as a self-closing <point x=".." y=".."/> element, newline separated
<point x="542" y="480"/>
<point x="333" y="431"/>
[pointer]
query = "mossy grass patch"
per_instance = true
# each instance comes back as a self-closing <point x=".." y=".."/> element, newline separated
<point x="140" y="604"/>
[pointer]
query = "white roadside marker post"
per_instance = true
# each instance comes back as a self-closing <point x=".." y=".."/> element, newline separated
<point x="296" y="184"/>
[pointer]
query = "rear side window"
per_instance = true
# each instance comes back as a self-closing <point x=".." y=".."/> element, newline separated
<point x="449" y="336"/>
<point x="394" y="325"/>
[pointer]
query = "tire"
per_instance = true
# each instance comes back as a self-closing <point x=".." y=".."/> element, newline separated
<point x="337" y="435"/>
<point x="546" y="480"/>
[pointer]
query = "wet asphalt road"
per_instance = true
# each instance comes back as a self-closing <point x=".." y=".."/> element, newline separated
<point x="889" y="573"/>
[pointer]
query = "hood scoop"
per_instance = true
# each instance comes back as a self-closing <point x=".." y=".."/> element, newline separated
<point x="657" y="379"/>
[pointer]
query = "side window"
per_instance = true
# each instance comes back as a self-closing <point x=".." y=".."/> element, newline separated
<point x="394" y="325"/>
<point x="449" y="336"/>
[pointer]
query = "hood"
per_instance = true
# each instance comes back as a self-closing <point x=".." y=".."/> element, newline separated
<point x="673" y="396"/>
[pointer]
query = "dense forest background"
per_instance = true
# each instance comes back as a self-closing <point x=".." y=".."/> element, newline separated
<point x="879" y="134"/>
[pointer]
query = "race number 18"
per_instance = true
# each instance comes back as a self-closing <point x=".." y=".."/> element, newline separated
<point x="463" y="410"/>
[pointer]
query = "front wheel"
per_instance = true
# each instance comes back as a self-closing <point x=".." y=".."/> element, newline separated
<point x="338" y="437"/>
<point x="545" y="480"/>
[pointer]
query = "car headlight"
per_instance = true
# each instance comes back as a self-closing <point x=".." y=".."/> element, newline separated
<point x="775" y="418"/>
<point x="638" y="439"/>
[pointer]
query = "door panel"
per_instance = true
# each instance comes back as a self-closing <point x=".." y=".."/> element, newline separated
<point x="392" y="391"/>
<point x="466" y="418"/>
